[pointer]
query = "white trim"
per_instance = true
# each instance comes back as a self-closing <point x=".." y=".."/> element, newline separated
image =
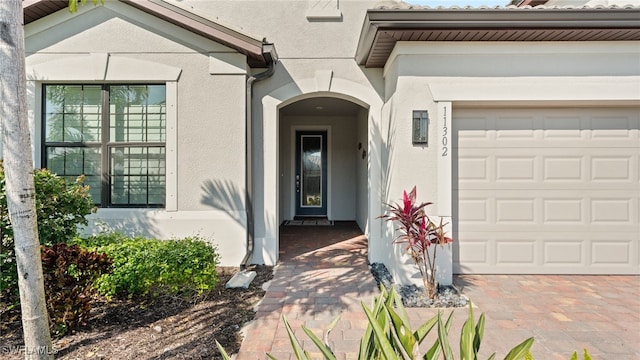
<point x="444" y="146"/>
<point x="121" y="68"/>
<point x="45" y="23"/>
<point x="444" y="151"/>
<point x="171" y="142"/>
<point x="171" y="147"/>
<point x="326" y="128"/>
<point x="498" y="47"/>
<point x="133" y="15"/>
<point x="104" y="67"/>
<point x="537" y="89"/>
<point x="34" y="114"/>
<point x="324" y="15"/>
<point x="324" y="10"/>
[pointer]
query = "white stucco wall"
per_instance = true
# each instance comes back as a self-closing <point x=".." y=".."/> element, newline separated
<point x="205" y="131"/>
<point x="362" y="173"/>
<point x="441" y="75"/>
<point x="288" y="23"/>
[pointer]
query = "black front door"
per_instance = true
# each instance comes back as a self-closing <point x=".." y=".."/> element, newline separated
<point x="311" y="173"/>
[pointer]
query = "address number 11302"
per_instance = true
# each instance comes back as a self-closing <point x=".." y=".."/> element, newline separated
<point x="445" y="135"/>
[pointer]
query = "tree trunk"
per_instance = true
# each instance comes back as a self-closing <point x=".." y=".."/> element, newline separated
<point x="18" y="167"/>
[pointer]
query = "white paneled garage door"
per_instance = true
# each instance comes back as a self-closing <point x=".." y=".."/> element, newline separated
<point x="543" y="191"/>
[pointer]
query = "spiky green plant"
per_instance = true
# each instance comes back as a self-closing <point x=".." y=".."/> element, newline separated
<point x="389" y="335"/>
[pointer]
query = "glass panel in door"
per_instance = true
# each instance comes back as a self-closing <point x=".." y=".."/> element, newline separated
<point x="311" y="173"/>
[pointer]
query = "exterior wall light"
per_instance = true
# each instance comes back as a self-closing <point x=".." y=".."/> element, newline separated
<point x="420" y="127"/>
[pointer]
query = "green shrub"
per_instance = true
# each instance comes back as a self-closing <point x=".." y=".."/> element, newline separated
<point x="69" y="273"/>
<point x="152" y="267"/>
<point x="61" y="206"/>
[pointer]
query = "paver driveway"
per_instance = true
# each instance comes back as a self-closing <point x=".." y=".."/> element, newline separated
<point x="323" y="273"/>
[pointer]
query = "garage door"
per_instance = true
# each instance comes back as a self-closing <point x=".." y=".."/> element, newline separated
<point x="544" y="191"/>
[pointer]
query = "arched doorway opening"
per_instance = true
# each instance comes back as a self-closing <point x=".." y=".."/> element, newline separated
<point x="269" y="203"/>
<point x="323" y="160"/>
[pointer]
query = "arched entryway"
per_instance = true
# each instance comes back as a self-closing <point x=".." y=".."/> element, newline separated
<point x="291" y="107"/>
<point x="323" y="160"/>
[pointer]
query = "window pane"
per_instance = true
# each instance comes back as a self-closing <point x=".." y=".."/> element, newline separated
<point x="91" y="113"/>
<point x="95" y="185"/>
<point x="138" y="113"/>
<point x="311" y="171"/>
<point x="72" y="113"/>
<point x="119" y="190"/>
<point x="72" y="99"/>
<point x="138" y="175"/>
<point x="71" y="162"/>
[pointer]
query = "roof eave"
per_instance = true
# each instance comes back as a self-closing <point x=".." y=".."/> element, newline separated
<point x="213" y="31"/>
<point x="508" y="19"/>
<point x="253" y="48"/>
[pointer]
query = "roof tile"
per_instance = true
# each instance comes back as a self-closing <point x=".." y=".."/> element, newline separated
<point x="403" y="5"/>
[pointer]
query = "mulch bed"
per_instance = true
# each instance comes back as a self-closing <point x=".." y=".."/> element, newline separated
<point x="161" y="328"/>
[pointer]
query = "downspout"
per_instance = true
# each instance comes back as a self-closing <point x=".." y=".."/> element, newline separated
<point x="271" y="57"/>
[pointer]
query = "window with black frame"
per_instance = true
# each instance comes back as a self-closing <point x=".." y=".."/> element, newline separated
<point x="114" y="135"/>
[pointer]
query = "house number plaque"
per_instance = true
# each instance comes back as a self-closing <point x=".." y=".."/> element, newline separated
<point x="445" y="133"/>
<point x="444" y="160"/>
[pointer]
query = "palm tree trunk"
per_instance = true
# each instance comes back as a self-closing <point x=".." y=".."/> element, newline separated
<point x="18" y="167"/>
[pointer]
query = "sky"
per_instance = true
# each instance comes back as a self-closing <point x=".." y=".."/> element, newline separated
<point x="447" y="3"/>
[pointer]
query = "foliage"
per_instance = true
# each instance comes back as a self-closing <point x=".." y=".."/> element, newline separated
<point x="585" y="355"/>
<point x="223" y="353"/>
<point x="61" y="206"/>
<point x="418" y="232"/>
<point x="389" y="335"/>
<point x="73" y="4"/>
<point x="144" y="266"/>
<point x="69" y="273"/>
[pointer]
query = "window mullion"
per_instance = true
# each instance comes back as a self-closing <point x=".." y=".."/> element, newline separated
<point x="64" y="116"/>
<point x="104" y="149"/>
<point x="128" y="176"/>
<point x="147" y="177"/>
<point x="82" y="103"/>
<point x="145" y="126"/>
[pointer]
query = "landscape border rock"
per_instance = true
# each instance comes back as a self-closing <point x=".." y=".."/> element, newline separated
<point x="414" y="296"/>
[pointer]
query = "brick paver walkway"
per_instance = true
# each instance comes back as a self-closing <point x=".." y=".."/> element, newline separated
<point x="323" y="273"/>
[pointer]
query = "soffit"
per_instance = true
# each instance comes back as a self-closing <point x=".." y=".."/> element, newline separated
<point x="36" y="9"/>
<point x="249" y="46"/>
<point x="383" y="27"/>
<point x="321" y="106"/>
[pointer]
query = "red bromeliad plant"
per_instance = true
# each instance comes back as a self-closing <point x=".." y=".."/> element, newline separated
<point x="418" y="232"/>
